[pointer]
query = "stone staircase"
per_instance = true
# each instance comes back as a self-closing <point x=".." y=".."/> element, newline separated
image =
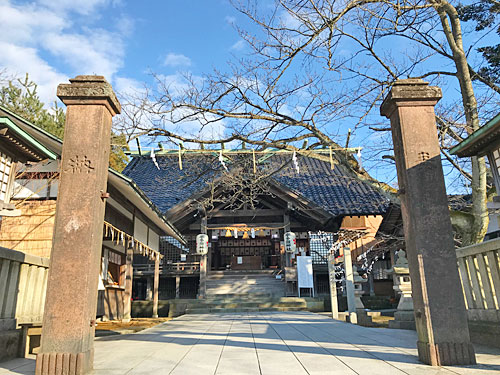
<point x="248" y="291"/>
<point x="253" y="303"/>
<point x="241" y="283"/>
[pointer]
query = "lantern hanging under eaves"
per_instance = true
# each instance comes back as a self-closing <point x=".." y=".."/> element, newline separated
<point x="202" y="244"/>
<point x="290" y="242"/>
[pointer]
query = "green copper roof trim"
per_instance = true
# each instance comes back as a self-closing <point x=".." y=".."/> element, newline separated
<point x="22" y="119"/>
<point x="477" y="135"/>
<point x="53" y="155"/>
<point x="28" y="138"/>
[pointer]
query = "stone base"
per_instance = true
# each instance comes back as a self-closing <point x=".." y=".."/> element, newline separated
<point x="360" y="317"/>
<point x="446" y="353"/>
<point x="404" y="319"/>
<point x="10" y="344"/>
<point x="485" y="333"/>
<point x="399" y="324"/>
<point x="64" y="363"/>
<point x="364" y="319"/>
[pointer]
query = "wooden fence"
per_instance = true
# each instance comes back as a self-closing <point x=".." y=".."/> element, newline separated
<point x="169" y="268"/>
<point x="480" y="276"/>
<point x="23" y="283"/>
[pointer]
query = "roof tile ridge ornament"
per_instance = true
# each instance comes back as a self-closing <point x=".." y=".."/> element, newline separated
<point x="410" y="92"/>
<point x="89" y="90"/>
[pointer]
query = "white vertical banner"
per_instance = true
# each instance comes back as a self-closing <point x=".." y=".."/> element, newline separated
<point x="305" y="272"/>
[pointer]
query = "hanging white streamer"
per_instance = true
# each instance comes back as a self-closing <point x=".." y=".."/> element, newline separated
<point x="153" y="157"/>
<point x="295" y="162"/>
<point x="359" y="158"/>
<point x="221" y="159"/>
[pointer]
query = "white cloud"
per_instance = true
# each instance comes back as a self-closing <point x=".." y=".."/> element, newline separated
<point x="124" y="86"/>
<point x="22" y="24"/>
<point x="195" y="127"/>
<point x="176" y="59"/>
<point x="239" y="45"/>
<point x="100" y="53"/>
<point x="177" y="83"/>
<point x="79" y="6"/>
<point x="230" y="20"/>
<point x="19" y="60"/>
<point x="34" y="35"/>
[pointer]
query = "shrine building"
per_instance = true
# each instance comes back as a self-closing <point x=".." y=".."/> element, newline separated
<point x="245" y="201"/>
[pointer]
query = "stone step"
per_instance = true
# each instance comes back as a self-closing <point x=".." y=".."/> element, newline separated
<point x="227" y="292"/>
<point x="244" y="309"/>
<point x="244" y="298"/>
<point x="243" y="272"/>
<point x="245" y="283"/>
<point x="246" y="290"/>
<point x="241" y="277"/>
<point x="241" y="296"/>
<point x="248" y="304"/>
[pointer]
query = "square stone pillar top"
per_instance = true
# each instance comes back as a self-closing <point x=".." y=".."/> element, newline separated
<point x="410" y="92"/>
<point x="89" y="90"/>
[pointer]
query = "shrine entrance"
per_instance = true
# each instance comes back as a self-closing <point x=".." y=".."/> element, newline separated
<point x="246" y="252"/>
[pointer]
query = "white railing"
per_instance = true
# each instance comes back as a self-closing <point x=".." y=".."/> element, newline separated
<point x="480" y="275"/>
<point x="23" y="283"/>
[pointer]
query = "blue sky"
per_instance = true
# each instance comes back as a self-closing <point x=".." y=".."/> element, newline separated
<point x="54" y="40"/>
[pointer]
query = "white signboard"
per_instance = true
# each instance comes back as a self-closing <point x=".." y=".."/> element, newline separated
<point x="305" y="272"/>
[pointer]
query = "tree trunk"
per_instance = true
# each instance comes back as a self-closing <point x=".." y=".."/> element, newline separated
<point x="452" y="30"/>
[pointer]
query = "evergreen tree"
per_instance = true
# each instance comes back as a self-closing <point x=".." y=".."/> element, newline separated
<point x="21" y="97"/>
<point x="486" y="15"/>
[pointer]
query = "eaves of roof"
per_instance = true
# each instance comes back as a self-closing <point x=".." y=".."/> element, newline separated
<point x="481" y="141"/>
<point x="333" y="191"/>
<point x="124" y="184"/>
<point x="28" y="139"/>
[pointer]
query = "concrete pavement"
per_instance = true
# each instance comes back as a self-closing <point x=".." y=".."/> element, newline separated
<point x="264" y="343"/>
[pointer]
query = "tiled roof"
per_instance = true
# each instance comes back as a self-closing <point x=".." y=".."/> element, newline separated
<point x="336" y="191"/>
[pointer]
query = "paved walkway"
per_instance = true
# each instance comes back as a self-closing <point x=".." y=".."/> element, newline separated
<point x="264" y="343"/>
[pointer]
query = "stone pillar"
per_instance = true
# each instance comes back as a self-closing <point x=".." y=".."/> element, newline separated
<point x="129" y="280"/>
<point x="333" y="286"/>
<point x="177" y="287"/>
<point x="349" y="285"/>
<point x="155" y="287"/>
<point x="441" y="319"/>
<point x="404" y="318"/>
<point x="71" y="298"/>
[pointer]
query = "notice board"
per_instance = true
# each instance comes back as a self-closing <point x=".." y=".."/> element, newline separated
<point x="305" y="272"/>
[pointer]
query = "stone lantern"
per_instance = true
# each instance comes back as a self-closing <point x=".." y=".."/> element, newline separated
<point x="358" y="288"/>
<point x="363" y="318"/>
<point x="404" y="317"/>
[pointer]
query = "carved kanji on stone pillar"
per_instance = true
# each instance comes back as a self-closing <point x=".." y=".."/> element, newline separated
<point x="440" y="315"/>
<point x="71" y="302"/>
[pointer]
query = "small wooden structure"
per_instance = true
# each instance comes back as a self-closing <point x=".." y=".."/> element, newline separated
<point x="479" y="264"/>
